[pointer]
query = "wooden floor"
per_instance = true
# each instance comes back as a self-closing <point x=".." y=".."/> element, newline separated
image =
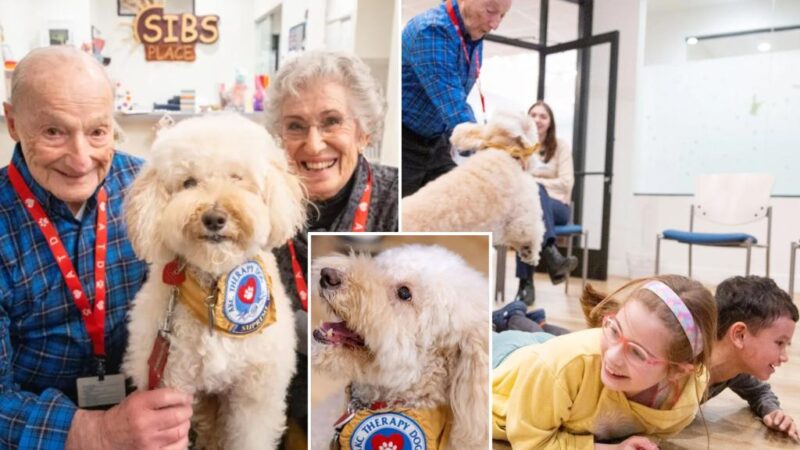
<point x="731" y="425"/>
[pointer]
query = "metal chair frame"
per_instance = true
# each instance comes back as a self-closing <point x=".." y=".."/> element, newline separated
<point x="500" y="277"/>
<point x="748" y="244"/>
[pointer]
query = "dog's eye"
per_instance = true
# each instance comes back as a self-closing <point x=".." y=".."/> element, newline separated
<point x="236" y="177"/>
<point x="404" y="293"/>
<point x="189" y="183"/>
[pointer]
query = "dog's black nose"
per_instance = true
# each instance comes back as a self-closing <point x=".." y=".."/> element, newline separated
<point x="214" y="219"/>
<point x="330" y="278"/>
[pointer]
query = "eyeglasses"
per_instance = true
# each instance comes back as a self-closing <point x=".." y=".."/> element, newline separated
<point x="632" y="351"/>
<point x="297" y="129"/>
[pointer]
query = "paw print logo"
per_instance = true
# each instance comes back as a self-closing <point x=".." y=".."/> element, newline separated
<point x="43" y="222"/>
<point x="248" y="293"/>
<point x="388" y="446"/>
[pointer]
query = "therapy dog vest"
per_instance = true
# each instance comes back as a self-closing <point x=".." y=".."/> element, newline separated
<point x="240" y="304"/>
<point x="393" y="429"/>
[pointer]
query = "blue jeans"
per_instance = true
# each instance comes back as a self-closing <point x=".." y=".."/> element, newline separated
<point x="503" y="344"/>
<point x="553" y="213"/>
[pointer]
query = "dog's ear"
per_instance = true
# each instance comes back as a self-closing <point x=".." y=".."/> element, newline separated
<point x="144" y="202"/>
<point x="469" y="396"/>
<point x="286" y="198"/>
<point x="467" y="136"/>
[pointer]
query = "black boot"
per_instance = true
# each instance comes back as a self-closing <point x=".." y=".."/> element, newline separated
<point x="526" y="292"/>
<point x="558" y="267"/>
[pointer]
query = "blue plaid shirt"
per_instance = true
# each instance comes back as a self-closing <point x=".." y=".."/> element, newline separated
<point x="44" y="347"/>
<point x="436" y="75"/>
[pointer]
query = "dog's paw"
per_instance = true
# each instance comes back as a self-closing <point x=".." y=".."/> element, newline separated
<point x="526" y="254"/>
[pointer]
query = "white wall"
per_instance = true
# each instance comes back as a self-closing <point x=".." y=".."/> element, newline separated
<point x="636" y="220"/>
<point x="159" y="80"/>
<point x="374" y="39"/>
<point x="26" y="22"/>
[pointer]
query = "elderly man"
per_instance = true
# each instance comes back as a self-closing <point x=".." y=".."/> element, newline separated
<point x="442" y="53"/>
<point x="69" y="271"/>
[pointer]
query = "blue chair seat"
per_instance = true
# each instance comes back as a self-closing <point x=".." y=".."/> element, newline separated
<point x="688" y="237"/>
<point x="563" y="230"/>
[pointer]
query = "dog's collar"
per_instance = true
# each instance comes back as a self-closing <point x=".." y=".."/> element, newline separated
<point x="357" y="405"/>
<point x="516" y="151"/>
<point x="238" y="304"/>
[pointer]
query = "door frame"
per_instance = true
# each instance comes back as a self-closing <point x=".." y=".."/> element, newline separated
<point x="598" y="259"/>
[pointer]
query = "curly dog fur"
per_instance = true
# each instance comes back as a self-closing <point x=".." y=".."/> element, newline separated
<point x="230" y="165"/>
<point x="488" y="192"/>
<point x="427" y="350"/>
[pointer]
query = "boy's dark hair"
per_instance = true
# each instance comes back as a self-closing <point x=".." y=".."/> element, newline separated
<point x="756" y="301"/>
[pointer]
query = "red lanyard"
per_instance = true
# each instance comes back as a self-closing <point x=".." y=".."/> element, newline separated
<point x="359" y="224"/>
<point x="93" y="318"/>
<point x="299" y="280"/>
<point x="454" y="20"/>
<point x="362" y="210"/>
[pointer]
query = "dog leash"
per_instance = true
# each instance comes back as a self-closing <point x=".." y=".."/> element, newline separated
<point x="173" y="275"/>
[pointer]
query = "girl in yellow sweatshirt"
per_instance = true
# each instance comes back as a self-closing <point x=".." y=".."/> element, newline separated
<point x="641" y="372"/>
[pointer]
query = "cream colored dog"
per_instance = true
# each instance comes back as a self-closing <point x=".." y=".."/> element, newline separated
<point x="411" y="331"/>
<point x="216" y="196"/>
<point x="488" y="192"/>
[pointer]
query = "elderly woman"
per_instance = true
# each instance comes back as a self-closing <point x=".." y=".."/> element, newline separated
<point x="326" y="109"/>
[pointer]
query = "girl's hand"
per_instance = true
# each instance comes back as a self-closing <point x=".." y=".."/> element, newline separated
<point x="632" y="443"/>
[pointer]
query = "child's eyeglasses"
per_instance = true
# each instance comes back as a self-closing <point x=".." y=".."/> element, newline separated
<point x="633" y="352"/>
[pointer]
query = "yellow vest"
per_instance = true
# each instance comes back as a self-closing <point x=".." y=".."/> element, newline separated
<point x="242" y="301"/>
<point x="395" y="429"/>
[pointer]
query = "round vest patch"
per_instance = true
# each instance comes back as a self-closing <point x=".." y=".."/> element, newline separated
<point x="388" y="431"/>
<point x="247" y="298"/>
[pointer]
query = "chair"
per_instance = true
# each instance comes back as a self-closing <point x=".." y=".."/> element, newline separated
<point x="795" y="246"/>
<point x="568" y="232"/>
<point x="728" y="199"/>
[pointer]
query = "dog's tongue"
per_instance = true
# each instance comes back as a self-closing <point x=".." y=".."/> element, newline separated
<point x="337" y="333"/>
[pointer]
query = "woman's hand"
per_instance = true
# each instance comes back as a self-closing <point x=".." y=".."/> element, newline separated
<point x="632" y="443"/>
<point x="780" y="421"/>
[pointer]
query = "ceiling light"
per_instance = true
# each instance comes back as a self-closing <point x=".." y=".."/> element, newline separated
<point x="691" y="40"/>
<point x="764" y="47"/>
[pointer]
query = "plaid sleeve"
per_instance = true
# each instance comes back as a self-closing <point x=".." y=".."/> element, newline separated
<point x="438" y="71"/>
<point x="27" y="420"/>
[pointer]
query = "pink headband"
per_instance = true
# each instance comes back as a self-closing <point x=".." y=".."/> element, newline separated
<point x="681" y="312"/>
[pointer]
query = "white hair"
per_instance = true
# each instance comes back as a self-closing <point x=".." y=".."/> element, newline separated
<point x="366" y="97"/>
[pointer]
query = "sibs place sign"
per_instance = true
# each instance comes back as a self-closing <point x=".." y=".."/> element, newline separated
<point x="171" y="37"/>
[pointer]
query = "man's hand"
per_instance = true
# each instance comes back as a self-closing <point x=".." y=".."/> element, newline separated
<point x="780" y="421"/>
<point x="632" y="443"/>
<point x="146" y="420"/>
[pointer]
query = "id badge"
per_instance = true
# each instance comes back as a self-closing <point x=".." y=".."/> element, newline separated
<point x="93" y="392"/>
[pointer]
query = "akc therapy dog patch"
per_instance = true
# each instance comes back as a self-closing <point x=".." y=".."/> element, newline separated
<point x="243" y="304"/>
<point x="388" y="431"/>
<point x="247" y="298"/>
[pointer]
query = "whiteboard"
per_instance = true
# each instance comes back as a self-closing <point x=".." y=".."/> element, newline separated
<point x="724" y="115"/>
